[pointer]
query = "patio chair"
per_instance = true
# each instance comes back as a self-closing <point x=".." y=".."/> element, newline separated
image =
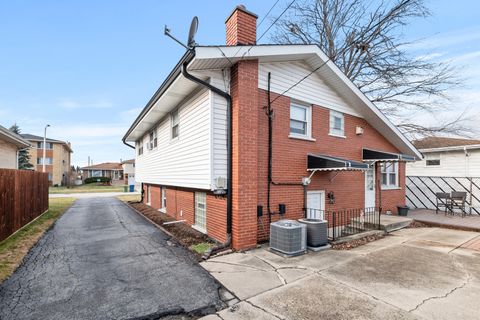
<point x="457" y="201"/>
<point x="443" y="201"/>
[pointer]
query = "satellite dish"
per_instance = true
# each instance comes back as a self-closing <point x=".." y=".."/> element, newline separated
<point x="193" y="30"/>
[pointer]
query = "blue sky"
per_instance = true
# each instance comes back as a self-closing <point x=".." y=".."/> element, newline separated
<point x="88" y="67"/>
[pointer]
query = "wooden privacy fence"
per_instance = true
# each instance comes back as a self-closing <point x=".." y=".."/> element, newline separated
<point x="420" y="191"/>
<point x="23" y="197"/>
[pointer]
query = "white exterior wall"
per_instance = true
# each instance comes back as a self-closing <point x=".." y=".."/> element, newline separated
<point x="452" y="164"/>
<point x="128" y="168"/>
<point x="185" y="161"/>
<point x="8" y="155"/>
<point x="312" y="90"/>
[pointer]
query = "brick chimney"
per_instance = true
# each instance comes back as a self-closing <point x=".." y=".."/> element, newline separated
<point x="241" y="27"/>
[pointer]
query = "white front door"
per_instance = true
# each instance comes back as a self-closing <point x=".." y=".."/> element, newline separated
<point x="370" y="187"/>
<point x="315" y="204"/>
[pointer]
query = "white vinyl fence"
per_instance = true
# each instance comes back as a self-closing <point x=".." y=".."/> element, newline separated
<point x="420" y="191"/>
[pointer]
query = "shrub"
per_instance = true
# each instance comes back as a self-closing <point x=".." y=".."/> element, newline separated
<point x="97" y="179"/>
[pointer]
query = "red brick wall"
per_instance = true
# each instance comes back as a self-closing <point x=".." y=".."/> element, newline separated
<point x="244" y="92"/>
<point x="241" y="28"/>
<point x="181" y="206"/>
<point x="290" y="162"/>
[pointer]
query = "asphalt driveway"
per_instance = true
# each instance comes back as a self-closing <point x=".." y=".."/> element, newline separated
<point x="103" y="261"/>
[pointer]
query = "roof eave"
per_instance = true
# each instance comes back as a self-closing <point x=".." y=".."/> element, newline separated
<point x="187" y="57"/>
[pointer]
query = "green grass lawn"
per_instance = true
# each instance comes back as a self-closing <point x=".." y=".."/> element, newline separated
<point x="91" y="187"/>
<point x="15" y="248"/>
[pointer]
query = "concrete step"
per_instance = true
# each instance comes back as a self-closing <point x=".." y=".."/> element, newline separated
<point x="391" y="223"/>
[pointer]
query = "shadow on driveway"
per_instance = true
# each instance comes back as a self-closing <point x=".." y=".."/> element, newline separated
<point x="103" y="261"/>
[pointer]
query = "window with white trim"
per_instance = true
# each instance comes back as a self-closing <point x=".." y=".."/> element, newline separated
<point x="389" y="173"/>
<point x="337" y="123"/>
<point x="163" y="202"/>
<point x="432" y="160"/>
<point x="300" y="120"/>
<point x="49" y="145"/>
<point x="201" y="211"/>
<point x="175" y="119"/>
<point x="47" y="160"/>
<point x="140" y="147"/>
<point x="153" y="138"/>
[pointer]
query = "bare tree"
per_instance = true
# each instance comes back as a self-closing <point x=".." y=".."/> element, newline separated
<point x="365" y="40"/>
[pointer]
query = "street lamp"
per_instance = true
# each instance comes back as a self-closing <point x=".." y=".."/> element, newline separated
<point x="45" y="146"/>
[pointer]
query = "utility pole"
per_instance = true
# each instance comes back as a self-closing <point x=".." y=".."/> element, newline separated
<point x="45" y="146"/>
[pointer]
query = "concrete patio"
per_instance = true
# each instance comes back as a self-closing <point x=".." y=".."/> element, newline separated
<point x="422" y="273"/>
<point x="468" y="222"/>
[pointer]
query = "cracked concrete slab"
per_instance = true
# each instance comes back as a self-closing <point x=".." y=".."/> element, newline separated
<point x="245" y="311"/>
<point x="402" y="276"/>
<point x="316" y="297"/>
<point x="101" y="260"/>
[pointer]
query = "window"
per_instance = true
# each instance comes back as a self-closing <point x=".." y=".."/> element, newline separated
<point x="140" y="147"/>
<point x="153" y="138"/>
<point x="49" y="145"/>
<point x="432" y="160"/>
<point x="149" y="195"/>
<point x="300" y="120"/>
<point x="175" y="123"/>
<point x="389" y="171"/>
<point x="337" y="124"/>
<point x="163" y="203"/>
<point x="47" y="160"/>
<point x="50" y="176"/>
<point x="201" y="211"/>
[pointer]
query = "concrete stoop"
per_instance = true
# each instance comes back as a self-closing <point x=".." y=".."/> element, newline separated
<point x="390" y="223"/>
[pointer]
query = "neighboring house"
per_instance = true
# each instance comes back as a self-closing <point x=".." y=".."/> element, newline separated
<point x="10" y="144"/>
<point x="129" y="171"/>
<point x="323" y="127"/>
<point x="446" y="157"/>
<point x="112" y="170"/>
<point x="57" y="159"/>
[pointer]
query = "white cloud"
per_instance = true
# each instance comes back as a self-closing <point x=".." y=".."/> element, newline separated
<point x="71" y="104"/>
<point x="448" y="39"/>
<point x="130" y="115"/>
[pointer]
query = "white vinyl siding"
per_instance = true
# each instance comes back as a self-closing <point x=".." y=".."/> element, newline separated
<point x="313" y="90"/>
<point x="337" y="124"/>
<point x="186" y="161"/>
<point x="201" y="211"/>
<point x="452" y="164"/>
<point x="219" y="126"/>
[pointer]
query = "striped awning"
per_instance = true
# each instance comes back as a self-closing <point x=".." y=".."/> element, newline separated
<point x="375" y="155"/>
<point x="320" y="162"/>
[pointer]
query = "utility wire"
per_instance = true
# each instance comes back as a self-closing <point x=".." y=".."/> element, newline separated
<point x="269" y="27"/>
<point x="340" y="52"/>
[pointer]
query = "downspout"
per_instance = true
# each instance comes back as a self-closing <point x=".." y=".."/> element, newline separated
<point x="133" y="147"/>
<point x="270" y="160"/>
<point x="228" y="98"/>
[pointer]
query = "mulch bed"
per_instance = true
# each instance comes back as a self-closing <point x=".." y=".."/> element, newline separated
<point x="357" y="243"/>
<point x="182" y="233"/>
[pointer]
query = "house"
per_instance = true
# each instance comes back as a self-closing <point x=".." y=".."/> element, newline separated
<point x="128" y="167"/>
<point x="57" y="158"/>
<point x="112" y="170"/>
<point x="211" y="149"/>
<point x="10" y="144"/>
<point x="446" y="157"/>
